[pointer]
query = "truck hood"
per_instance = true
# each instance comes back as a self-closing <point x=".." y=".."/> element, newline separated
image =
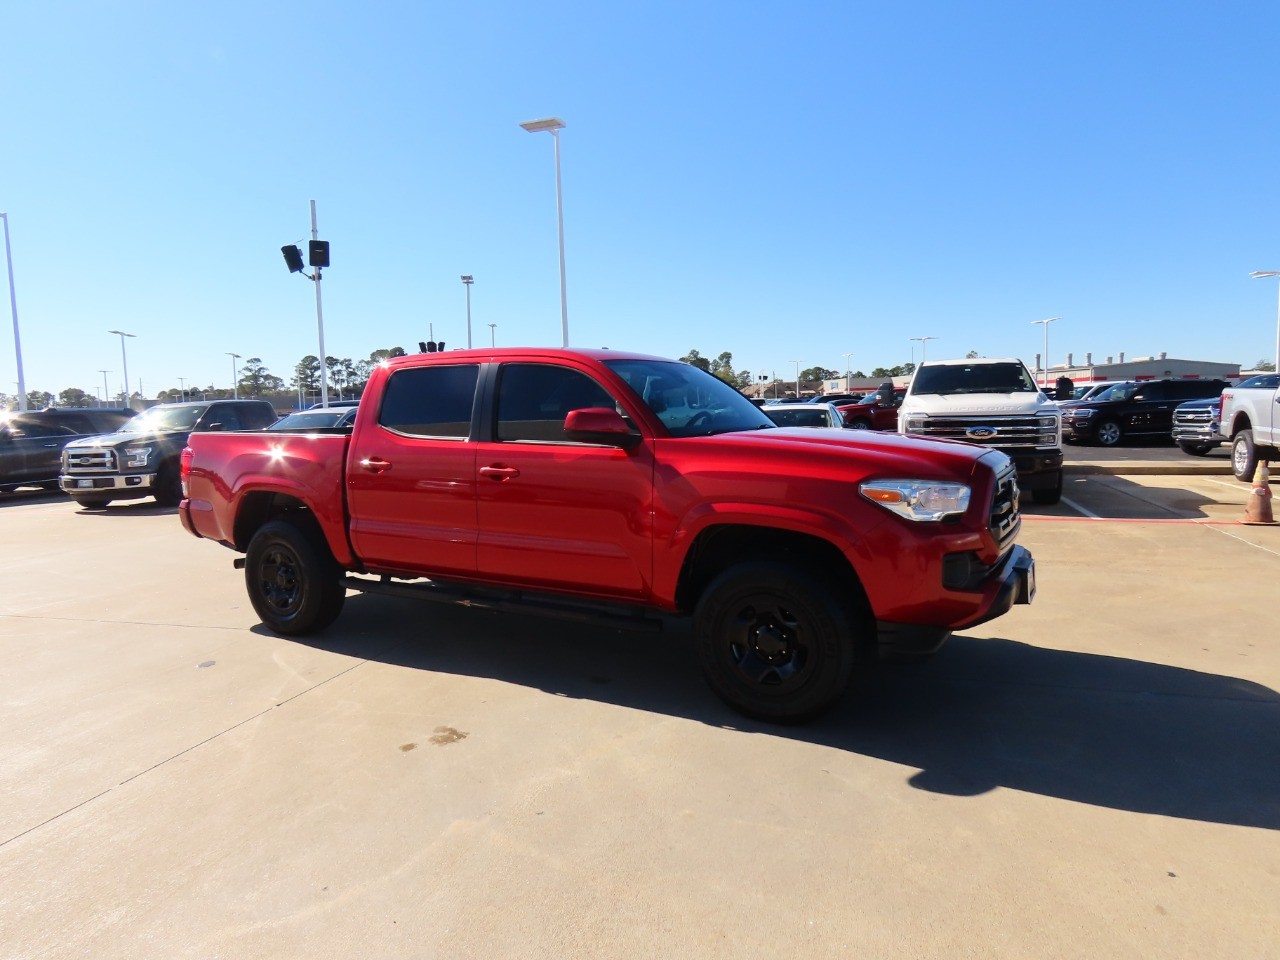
<point x="884" y="454"/>
<point x="961" y="403"/>
<point x="118" y="437"/>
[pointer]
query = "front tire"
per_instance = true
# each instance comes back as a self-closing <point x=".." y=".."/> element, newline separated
<point x="168" y="488"/>
<point x="776" y="642"/>
<point x="1244" y="456"/>
<point x="1195" y="449"/>
<point x="1049" y="496"/>
<point x="293" y="581"/>
<point x="91" y="503"/>
<point x="1108" y="433"/>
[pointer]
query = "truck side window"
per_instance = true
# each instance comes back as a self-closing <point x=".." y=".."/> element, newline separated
<point x="431" y="401"/>
<point x="534" y="399"/>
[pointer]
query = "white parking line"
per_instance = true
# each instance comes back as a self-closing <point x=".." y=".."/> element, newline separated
<point x="1079" y="509"/>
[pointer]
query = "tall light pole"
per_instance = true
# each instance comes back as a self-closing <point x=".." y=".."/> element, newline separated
<point x="1257" y="275"/>
<point x="106" y="391"/>
<point x="797" y="363"/>
<point x="492" y="341"/>
<point x="846" y="371"/>
<point x="235" y="383"/>
<point x="467" y="280"/>
<point x="1046" y="323"/>
<point x="553" y="126"/>
<point x="182" y="382"/>
<point x="924" y="342"/>
<point x="124" y="359"/>
<point x="13" y="307"/>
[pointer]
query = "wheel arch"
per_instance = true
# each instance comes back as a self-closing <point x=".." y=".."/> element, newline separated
<point x="720" y="546"/>
<point x="259" y="507"/>
<point x="1240" y="422"/>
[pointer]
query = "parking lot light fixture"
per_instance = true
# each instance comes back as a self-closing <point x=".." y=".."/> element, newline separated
<point x="1262" y="275"/>
<point x="468" y="280"/>
<point x="553" y="126"/>
<point x="847" y="370"/>
<point x="106" y="391"/>
<point x="13" y="307"/>
<point x="923" y="343"/>
<point x="125" y="361"/>
<point x="492" y="335"/>
<point x="797" y="363"/>
<point x="1046" y="323"/>
<point x="235" y="383"/>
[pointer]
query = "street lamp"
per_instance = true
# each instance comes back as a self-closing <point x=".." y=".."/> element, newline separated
<point x="797" y="363"/>
<point x="318" y="257"/>
<point x="491" y="334"/>
<point x="13" y="307"/>
<point x="182" y="382"/>
<point x="553" y="126"/>
<point x="924" y="342"/>
<point x="106" y="391"/>
<point x="1257" y="275"/>
<point x="846" y="371"/>
<point x="124" y="360"/>
<point x="468" y="279"/>
<point x="235" y="384"/>
<point x="1046" y="347"/>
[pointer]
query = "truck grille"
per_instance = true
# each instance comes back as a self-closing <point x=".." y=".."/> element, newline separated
<point x="999" y="432"/>
<point x="1005" y="520"/>
<point x="88" y="462"/>
<point x="1201" y="424"/>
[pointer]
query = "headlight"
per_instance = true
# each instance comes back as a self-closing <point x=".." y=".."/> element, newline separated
<point x="1083" y="414"/>
<point x="916" y="423"/>
<point x="138" y="456"/>
<point x="927" y="500"/>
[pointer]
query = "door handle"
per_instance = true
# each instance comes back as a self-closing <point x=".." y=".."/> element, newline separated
<point x="499" y="473"/>
<point x="375" y="465"/>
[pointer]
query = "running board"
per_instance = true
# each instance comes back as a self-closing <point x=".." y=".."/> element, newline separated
<point x="510" y="601"/>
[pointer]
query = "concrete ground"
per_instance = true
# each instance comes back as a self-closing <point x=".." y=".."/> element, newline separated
<point x="1095" y="775"/>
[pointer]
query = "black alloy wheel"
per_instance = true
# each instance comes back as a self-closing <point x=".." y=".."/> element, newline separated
<point x="293" y="581"/>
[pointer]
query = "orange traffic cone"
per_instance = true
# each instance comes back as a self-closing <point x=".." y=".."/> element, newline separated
<point x="1258" y="507"/>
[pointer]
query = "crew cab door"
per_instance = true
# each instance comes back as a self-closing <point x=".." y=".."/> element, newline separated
<point x="411" y="474"/>
<point x="556" y="513"/>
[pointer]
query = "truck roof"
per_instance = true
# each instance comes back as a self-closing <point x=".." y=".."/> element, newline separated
<point x="600" y="354"/>
<point x="969" y="362"/>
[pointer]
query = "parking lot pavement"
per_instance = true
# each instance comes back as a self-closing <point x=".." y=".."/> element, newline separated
<point x="1092" y="776"/>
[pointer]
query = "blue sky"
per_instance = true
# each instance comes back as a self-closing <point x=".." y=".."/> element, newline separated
<point x="781" y="183"/>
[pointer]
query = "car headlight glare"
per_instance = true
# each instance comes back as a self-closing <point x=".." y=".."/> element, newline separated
<point x="920" y="500"/>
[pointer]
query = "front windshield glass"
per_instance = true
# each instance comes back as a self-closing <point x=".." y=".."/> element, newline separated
<point x="1121" y="391"/>
<point x="164" y="419"/>
<point x="690" y="402"/>
<point x="948" y="379"/>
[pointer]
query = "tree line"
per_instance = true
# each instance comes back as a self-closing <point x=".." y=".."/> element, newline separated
<point x="346" y="378"/>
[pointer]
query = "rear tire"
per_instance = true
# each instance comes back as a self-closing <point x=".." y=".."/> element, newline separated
<point x="1244" y="456"/>
<point x="293" y="581"/>
<point x="777" y="643"/>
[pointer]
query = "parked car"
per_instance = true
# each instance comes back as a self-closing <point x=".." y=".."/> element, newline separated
<point x="1251" y="420"/>
<point x="141" y="459"/>
<point x="325" y="418"/>
<point x="837" y="398"/>
<point x="31" y="442"/>
<point x="335" y="403"/>
<point x="1087" y="391"/>
<point x="875" y="411"/>
<point x="1197" y="425"/>
<point x="803" y="414"/>
<point x="1142" y="408"/>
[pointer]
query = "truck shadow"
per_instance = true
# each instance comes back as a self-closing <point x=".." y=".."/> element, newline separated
<point x="986" y="712"/>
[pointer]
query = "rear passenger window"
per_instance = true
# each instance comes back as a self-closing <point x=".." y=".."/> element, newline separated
<point x="534" y="399"/>
<point x="430" y="401"/>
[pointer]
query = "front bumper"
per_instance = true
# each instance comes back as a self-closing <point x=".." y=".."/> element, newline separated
<point x="1037" y="469"/>
<point x="123" y="487"/>
<point x="1011" y="583"/>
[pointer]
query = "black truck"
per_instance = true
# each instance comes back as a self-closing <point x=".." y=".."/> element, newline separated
<point x="141" y="458"/>
<point x="31" y="441"/>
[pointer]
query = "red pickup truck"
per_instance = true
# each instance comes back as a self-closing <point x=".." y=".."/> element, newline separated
<point x="622" y="489"/>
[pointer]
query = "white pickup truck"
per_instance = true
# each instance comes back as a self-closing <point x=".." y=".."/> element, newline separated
<point x="1251" y="420"/>
<point x="992" y="403"/>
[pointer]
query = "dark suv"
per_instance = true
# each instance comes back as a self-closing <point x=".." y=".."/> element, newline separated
<point x="31" y="442"/>
<point x="141" y="459"/>
<point x="1132" y="409"/>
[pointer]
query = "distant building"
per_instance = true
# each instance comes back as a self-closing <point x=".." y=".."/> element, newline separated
<point x="1139" y="368"/>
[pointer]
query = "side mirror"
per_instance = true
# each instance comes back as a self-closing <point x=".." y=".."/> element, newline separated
<point x="602" y="425"/>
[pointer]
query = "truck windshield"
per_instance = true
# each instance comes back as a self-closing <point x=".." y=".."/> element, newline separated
<point x="690" y="402"/>
<point x="165" y="419"/>
<point x="946" y="379"/>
